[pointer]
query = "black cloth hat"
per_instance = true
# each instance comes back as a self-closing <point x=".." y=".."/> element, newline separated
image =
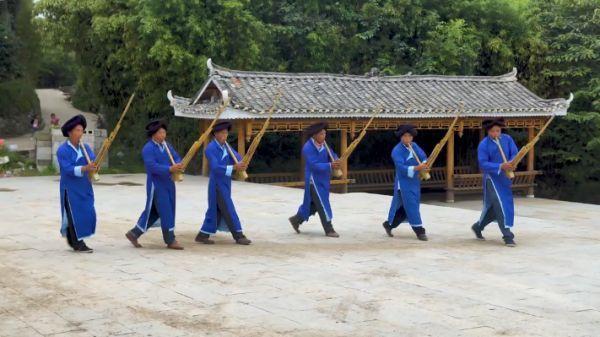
<point x="153" y="126"/>
<point x="222" y="125"/>
<point x="402" y="129"/>
<point x="489" y="123"/>
<point x="313" y="129"/>
<point x="73" y="122"/>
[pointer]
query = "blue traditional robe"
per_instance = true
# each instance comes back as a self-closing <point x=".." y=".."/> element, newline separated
<point x="407" y="186"/>
<point x="317" y="172"/>
<point x="76" y="190"/>
<point x="497" y="186"/>
<point x="160" y="188"/>
<point x="219" y="184"/>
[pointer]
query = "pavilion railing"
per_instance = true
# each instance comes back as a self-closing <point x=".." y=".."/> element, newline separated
<point x="383" y="179"/>
<point x="473" y="181"/>
<point x="465" y="179"/>
<point x="288" y="179"/>
<point x="273" y="178"/>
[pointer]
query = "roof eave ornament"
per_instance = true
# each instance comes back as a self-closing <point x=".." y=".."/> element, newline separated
<point x="210" y="66"/>
<point x="225" y="95"/>
<point x="512" y="76"/>
<point x="570" y="99"/>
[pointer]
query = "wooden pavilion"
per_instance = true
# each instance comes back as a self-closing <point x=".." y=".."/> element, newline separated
<point x="347" y="101"/>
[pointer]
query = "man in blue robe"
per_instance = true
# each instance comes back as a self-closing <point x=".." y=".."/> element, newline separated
<point x="160" y="188"/>
<point x="76" y="193"/>
<point x="221" y="214"/>
<point x="317" y="176"/>
<point x="407" y="185"/>
<point x="497" y="187"/>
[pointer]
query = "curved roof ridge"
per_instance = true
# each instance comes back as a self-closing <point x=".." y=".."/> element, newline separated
<point x="217" y="70"/>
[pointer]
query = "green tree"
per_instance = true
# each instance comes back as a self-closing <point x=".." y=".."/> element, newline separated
<point x="19" y="59"/>
<point x="452" y="48"/>
<point x="570" y="152"/>
<point x="148" y="47"/>
<point x="152" y="46"/>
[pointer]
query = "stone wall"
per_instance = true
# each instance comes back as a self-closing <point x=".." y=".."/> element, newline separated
<point x="46" y="150"/>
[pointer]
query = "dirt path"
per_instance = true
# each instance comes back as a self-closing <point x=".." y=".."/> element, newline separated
<point x="51" y="101"/>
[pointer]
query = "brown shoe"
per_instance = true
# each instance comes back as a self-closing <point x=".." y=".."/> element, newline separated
<point x="333" y="234"/>
<point x="134" y="241"/>
<point x="242" y="240"/>
<point x="204" y="238"/>
<point x="175" y="245"/>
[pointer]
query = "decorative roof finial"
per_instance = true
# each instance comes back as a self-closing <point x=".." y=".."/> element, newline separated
<point x="512" y="76"/>
<point x="225" y="94"/>
<point x="373" y="72"/>
<point x="209" y="65"/>
<point x="570" y="99"/>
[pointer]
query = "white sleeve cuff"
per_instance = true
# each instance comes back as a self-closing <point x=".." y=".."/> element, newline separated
<point x="77" y="171"/>
<point x="410" y="172"/>
<point x="229" y="170"/>
<point x="499" y="169"/>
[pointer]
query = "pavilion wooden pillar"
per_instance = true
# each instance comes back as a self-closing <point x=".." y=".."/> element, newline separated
<point x="203" y="125"/>
<point x="450" y="168"/>
<point x="303" y="140"/>
<point x="343" y="148"/>
<point x="241" y="138"/>
<point x="531" y="161"/>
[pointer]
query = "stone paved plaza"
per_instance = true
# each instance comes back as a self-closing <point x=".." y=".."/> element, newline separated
<point x="285" y="284"/>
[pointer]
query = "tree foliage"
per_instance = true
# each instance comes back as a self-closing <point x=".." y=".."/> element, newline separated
<point x="152" y="46"/>
<point x="19" y="59"/>
<point x="570" y="155"/>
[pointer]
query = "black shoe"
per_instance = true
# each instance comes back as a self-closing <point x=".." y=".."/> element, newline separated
<point x="420" y="232"/>
<point x="510" y="243"/>
<point x="70" y="243"/>
<point x="83" y="248"/>
<point x="388" y="228"/>
<point x="475" y="228"/>
<point x="204" y="238"/>
<point x="295" y="221"/>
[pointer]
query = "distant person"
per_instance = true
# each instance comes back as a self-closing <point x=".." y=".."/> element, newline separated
<point x="35" y="125"/>
<point x="54" y="121"/>
<point x="76" y="193"/>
